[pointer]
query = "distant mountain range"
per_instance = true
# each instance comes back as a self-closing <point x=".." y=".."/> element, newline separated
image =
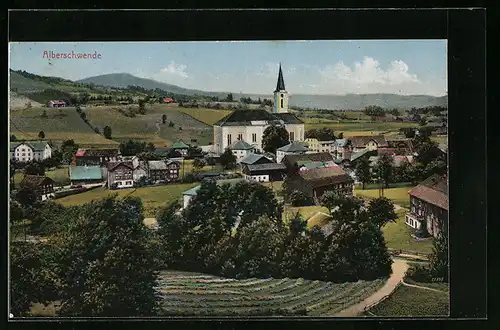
<point x="22" y="84"/>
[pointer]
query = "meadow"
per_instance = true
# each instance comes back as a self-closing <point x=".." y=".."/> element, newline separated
<point x="153" y="198"/>
<point x="398" y="236"/>
<point x="194" y="294"/>
<point x="207" y="116"/>
<point x="411" y="301"/>
<point x="59" y="175"/>
<point x="398" y="195"/>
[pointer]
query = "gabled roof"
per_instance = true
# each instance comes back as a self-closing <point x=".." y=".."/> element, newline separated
<point x="109" y="152"/>
<point x="266" y="167"/>
<point x="433" y="190"/>
<point x="290" y="160"/>
<point x="35" y="145"/>
<point x="361" y="153"/>
<point x="113" y="165"/>
<point x="85" y="173"/>
<point x="35" y="180"/>
<point x="245" y="117"/>
<point x="294" y="147"/>
<point x="253" y="158"/>
<point x="179" y="144"/>
<point x="157" y="165"/>
<point x="325" y="176"/>
<point x="240" y="145"/>
<point x="361" y="141"/>
<point x="319" y="164"/>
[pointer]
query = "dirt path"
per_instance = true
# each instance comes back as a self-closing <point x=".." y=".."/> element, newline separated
<point x="423" y="287"/>
<point x="399" y="268"/>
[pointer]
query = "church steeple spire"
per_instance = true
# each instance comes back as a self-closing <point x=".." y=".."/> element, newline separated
<point x="280" y="86"/>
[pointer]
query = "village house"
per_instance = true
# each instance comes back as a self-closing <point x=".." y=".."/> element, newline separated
<point x="96" y="157"/>
<point x="373" y="142"/>
<point x="30" y="150"/>
<point x="314" y="145"/>
<point x="342" y="149"/>
<point x="254" y="159"/>
<point x="56" y="104"/>
<point x="293" y="162"/>
<point x="429" y="205"/>
<point x="180" y="147"/>
<point x="163" y="170"/>
<point x="264" y="172"/>
<point x="120" y="175"/>
<point x="80" y="175"/>
<point x="249" y="124"/>
<point x="43" y="186"/>
<point x="241" y="149"/>
<point x="293" y="148"/>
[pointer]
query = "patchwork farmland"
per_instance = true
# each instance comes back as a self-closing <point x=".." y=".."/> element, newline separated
<point x="194" y="294"/>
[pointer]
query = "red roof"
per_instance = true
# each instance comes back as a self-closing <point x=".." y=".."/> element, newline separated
<point x="168" y="100"/>
<point x="113" y="165"/>
<point x="434" y="190"/>
<point x="80" y="152"/>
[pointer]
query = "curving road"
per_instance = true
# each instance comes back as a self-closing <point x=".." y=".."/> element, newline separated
<point x="399" y="268"/>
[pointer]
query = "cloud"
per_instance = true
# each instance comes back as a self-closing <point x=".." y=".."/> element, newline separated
<point x="174" y="69"/>
<point x="270" y="70"/>
<point x="369" y="77"/>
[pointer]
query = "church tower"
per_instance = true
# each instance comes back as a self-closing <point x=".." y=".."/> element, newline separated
<point x="280" y="95"/>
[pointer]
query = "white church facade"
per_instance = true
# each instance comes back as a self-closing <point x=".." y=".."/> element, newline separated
<point x="249" y="125"/>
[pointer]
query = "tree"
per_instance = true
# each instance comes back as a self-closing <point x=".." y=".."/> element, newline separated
<point x="374" y="111"/>
<point x="35" y="168"/>
<point x="26" y="197"/>
<point x="198" y="164"/>
<point x="259" y="248"/>
<point x="384" y="169"/>
<point x="41" y="135"/>
<point x="408" y="132"/>
<point x="363" y="171"/>
<point x="428" y="152"/>
<point x="96" y="130"/>
<point x="274" y="137"/>
<point x="439" y="256"/>
<point x="297" y="198"/>
<point x="381" y="211"/>
<point x="13" y="138"/>
<point x="228" y="160"/>
<point x="229" y="97"/>
<point x="171" y="124"/>
<point x="107" y="132"/>
<point x="171" y="228"/>
<point x="83" y="115"/>
<point x="194" y="151"/>
<point x="68" y="150"/>
<point x="132" y="148"/>
<point x="150" y="147"/>
<point x="106" y="267"/>
<point x="164" y="119"/>
<point x="340" y="135"/>
<point x="44" y="114"/>
<point x="31" y="280"/>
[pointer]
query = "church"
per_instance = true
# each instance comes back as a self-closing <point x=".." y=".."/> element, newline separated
<point x="249" y="125"/>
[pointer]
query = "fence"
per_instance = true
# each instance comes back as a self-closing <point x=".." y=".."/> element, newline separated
<point x="398" y="252"/>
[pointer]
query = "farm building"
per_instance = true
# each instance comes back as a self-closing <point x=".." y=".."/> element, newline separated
<point x="293" y="148"/>
<point x="254" y="159"/>
<point x="43" y="186"/>
<point x="30" y="150"/>
<point x="294" y="162"/>
<point x="180" y="147"/>
<point x="264" y="172"/>
<point x="85" y="175"/>
<point x="56" y="104"/>
<point x="241" y="149"/>
<point x="314" y="145"/>
<point x="120" y="175"/>
<point x="314" y="182"/>
<point x="373" y="142"/>
<point x="96" y="157"/>
<point x="429" y="205"/>
<point x="163" y="170"/>
<point x="249" y="124"/>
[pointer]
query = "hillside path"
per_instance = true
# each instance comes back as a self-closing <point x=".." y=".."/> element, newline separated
<point x="423" y="287"/>
<point x="399" y="268"/>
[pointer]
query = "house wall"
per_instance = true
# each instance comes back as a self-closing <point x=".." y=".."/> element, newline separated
<point x="138" y="173"/>
<point x="121" y="175"/>
<point x="240" y="154"/>
<point x="257" y="178"/>
<point x="278" y="96"/>
<point x="186" y="200"/>
<point x="421" y="210"/>
<point x="23" y="153"/>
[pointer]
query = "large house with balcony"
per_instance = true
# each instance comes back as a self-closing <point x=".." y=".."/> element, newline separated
<point x="249" y="125"/>
<point x="96" y="157"/>
<point x="120" y="175"/>
<point x="42" y="186"/>
<point x="28" y="151"/>
<point x="429" y="205"/>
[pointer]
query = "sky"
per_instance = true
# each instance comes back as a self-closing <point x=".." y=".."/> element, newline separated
<point x="309" y="67"/>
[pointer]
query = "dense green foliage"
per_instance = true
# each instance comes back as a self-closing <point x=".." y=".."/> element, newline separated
<point x="274" y="137"/>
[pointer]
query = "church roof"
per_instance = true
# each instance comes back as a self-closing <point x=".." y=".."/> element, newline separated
<point x="248" y="117"/>
<point x="280" y="86"/>
<point x="240" y="145"/>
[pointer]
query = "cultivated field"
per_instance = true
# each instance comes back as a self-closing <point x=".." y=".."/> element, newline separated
<point x="411" y="301"/>
<point x="359" y="126"/>
<point x="197" y="294"/>
<point x="152" y="197"/>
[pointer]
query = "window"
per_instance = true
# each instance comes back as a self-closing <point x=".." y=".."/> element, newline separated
<point x="240" y="136"/>
<point x="282" y="101"/>
<point x="229" y="139"/>
<point x="254" y="137"/>
<point x="292" y="136"/>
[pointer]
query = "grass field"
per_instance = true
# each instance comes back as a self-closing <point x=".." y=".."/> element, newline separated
<point x="398" y="195"/>
<point x="208" y="116"/>
<point x="198" y="294"/>
<point x="409" y="301"/>
<point x="59" y="175"/>
<point x="305" y="211"/>
<point x="152" y="197"/>
<point x="398" y="236"/>
<point x="359" y="127"/>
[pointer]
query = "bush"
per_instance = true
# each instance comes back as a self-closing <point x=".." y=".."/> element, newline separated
<point x="189" y="178"/>
<point x="419" y="274"/>
<point x="298" y="198"/>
